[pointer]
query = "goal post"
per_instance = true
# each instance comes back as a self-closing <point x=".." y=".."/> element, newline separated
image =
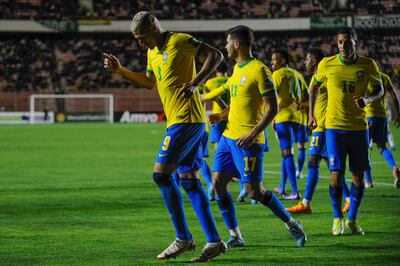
<point x="81" y="105"/>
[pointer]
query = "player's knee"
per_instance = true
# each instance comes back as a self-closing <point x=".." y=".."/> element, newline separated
<point x="190" y="184"/>
<point x="313" y="161"/>
<point x="255" y="194"/>
<point x="224" y="202"/>
<point x="286" y="152"/>
<point x="267" y="196"/>
<point x="358" y="178"/>
<point x="381" y="147"/>
<point x="337" y="179"/>
<point x="162" y="179"/>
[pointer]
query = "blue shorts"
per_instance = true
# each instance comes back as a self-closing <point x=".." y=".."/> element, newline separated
<point x="216" y="131"/>
<point x="204" y="144"/>
<point x="285" y="132"/>
<point x="378" y="131"/>
<point x="300" y="133"/>
<point x="354" y="143"/>
<point x="244" y="163"/>
<point x="318" y="145"/>
<point x="182" y="146"/>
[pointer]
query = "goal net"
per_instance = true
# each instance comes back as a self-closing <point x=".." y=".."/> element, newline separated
<point x="73" y="107"/>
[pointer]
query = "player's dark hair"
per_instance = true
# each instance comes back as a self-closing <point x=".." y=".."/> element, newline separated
<point x="223" y="67"/>
<point x="243" y="34"/>
<point x="348" y="30"/>
<point x="283" y="53"/>
<point x="317" y="53"/>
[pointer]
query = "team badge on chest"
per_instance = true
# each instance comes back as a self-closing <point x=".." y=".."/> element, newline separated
<point x="165" y="56"/>
<point x="360" y="74"/>
<point x="243" y="80"/>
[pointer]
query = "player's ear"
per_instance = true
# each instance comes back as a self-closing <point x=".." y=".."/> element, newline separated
<point x="237" y="44"/>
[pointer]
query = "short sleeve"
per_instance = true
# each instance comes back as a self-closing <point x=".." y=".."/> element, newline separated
<point x="217" y="92"/>
<point x="264" y="81"/>
<point x="187" y="44"/>
<point x="277" y="79"/>
<point x="320" y="77"/>
<point x="375" y="77"/>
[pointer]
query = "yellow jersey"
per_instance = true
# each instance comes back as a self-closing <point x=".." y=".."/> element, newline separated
<point x="304" y="90"/>
<point x="343" y="81"/>
<point x="174" y="64"/>
<point x="213" y="84"/>
<point x="289" y="91"/>
<point x="320" y="106"/>
<point x="378" y="108"/>
<point x="249" y="83"/>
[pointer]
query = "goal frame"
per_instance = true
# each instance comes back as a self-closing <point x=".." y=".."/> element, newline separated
<point x="32" y="98"/>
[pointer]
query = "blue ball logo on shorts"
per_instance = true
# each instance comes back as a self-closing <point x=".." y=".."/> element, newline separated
<point x="331" y="160"/>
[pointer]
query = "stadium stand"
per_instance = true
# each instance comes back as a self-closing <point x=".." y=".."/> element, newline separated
<point x="71" y="62"/>
<point x="182" y="9"/>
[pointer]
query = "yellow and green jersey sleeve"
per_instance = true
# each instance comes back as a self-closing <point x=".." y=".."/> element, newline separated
<point x="378" y="108"/>
<point x="287" y="86"/>
<point x="304" y="90"/>
<point x="249" y="83"/>
<point x="320" y="106"/>
<point x="174" y="64"/>
<point x="215" y="89"/>
<point x="344" y="81"/>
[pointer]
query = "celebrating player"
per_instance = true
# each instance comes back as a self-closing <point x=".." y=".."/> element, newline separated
<point x="171" y="66"/>
<point x="240" y="152"/>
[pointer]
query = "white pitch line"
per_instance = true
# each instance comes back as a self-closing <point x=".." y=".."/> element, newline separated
<point x="327" y="177"/>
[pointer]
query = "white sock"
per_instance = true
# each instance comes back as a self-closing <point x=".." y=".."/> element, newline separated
<point x="292" y="222"/>
<point x="236" y="232"/>
<point x="306" y="202"/>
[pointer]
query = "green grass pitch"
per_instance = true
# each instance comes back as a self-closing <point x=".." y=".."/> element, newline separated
<point x="82" y="194"/>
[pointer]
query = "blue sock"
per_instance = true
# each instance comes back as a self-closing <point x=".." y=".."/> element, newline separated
<point x="388" y="156"/>
<point x="346" y="190"/>
<point x="282" y="184"/>
<point x="176" y="179"/>
<point x="206" y="172"/>
<point x="368" y="176"/>
<point x="201" y="206"/>
<point x="301" y="158"/>
<point x="174" y="202"/>
<point x="225" y="204"/>
<point x="357" y="194"/>
<point x="273" y="203"/>
<point x="291" y="172"/>
<point x="241" y="185"/>
<point x="336" y="200"/>
<point x="312" y="180"/>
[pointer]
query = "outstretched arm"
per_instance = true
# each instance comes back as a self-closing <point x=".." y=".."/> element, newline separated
<point x="112" y="64"/>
